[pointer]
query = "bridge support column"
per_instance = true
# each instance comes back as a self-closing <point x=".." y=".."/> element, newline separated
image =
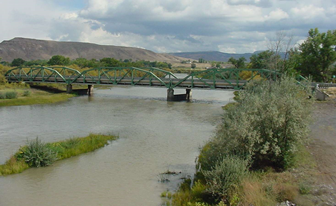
<point x="90" y="90"/>
<point x="170" y="95"/>
<point x="188" y="94"/>
<point x="69" y="88"/>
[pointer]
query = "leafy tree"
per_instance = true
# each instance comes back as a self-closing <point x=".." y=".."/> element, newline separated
<point x="59" y="60"/>
<point x="81" y="62"/>
<point x="316" y="55"/>
<point x="266" y="60"/>
<point x="240" y="63"/>
<point x="193" y="65"/>
<point x="110" y="62"/>
<point x="18" y="62"/>
<point x="200" y="60"/>
<point x="35" y="62"/>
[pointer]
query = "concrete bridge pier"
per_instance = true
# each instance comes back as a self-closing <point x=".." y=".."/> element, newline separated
<point x="170" y="95"/>
<point x="188" y="94"/>
<point x="90" y="90"/>
<point x="69" y="88"/>
<point x="179" y="97"/>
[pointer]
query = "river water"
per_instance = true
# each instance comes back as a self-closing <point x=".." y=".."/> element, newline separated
<point x="154" y="136"/>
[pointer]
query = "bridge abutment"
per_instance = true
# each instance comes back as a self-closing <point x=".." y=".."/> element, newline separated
<point x="69" y="88"/>
<point x="90" y="90"/>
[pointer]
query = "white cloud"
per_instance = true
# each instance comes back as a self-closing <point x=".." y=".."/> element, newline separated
<point x="308" y="12"/>
<point x="277" y="15"/>
<point x="167" y="25"/>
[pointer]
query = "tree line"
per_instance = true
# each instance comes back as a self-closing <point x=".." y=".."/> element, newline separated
<point x="85" y="63"/>
<point x="315" y="57"/>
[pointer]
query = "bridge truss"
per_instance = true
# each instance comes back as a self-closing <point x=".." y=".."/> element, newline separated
<point x="211" y="78"/>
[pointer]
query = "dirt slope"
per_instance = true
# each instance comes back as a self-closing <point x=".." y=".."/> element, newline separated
<point x="32" y="49"/>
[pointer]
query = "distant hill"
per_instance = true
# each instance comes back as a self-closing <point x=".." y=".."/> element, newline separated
<point x="33" y="49"/>
<point x="213" y="55"/>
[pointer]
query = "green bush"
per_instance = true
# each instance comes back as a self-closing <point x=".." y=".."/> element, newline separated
<point x="37" y="154"/>
<point x="226" y="175"/>
<point x="270" y="120"/>
<point x="26" y="93"/>
<point x="2" y="95"/>
<point x="11" y="95"/>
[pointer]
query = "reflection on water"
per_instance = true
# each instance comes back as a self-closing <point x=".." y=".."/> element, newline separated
<point x="155" y="135"/>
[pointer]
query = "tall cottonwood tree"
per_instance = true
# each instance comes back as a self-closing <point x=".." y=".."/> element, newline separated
<point x="315" y="57"/>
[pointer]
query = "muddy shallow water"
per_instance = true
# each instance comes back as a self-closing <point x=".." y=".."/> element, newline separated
<point x="155" y="136"/>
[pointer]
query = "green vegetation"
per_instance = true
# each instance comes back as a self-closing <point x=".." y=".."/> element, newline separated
<point x="247" y="162"/>
<point x="15" y="94"/>
<point x="85" y="63"/>
<point x="59" y="60"/>
<point x="240" y="63"/>
<point x="39" y="154"/>
<point x="28" y="96"/>
<point x="316" y="56"/>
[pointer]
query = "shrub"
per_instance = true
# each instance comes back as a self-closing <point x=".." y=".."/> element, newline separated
<point x="270" y="120"/>
<point x="11" y="95"/>
<point x="2" y="95"/>
<point x="26" y="93"/>
<point x="37" y="154"/>
<point x="226" y="175"/>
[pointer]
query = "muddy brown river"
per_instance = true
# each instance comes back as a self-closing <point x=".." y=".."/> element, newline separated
<point x="155" y="136"/>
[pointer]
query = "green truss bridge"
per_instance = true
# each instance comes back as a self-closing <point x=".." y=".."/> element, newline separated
<point x="211" y="78"/>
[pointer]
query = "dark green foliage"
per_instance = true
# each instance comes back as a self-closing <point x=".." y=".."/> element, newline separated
<point x="17" y="62"/>
<point x="266" y="60"/>
<point x="59" y="60"/>
<point x="110" y="62"/>
<point x="35" y="63"/>
<point x="240" y="63"/>
<point x="316" y="55"/>
<point x="200" y="60"/>
<point x="193" y="65"/>
<point x="11" y="95"/>
<point x="37" y="154"/>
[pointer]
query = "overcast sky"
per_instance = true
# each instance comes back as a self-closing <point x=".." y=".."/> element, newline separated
<point x="235" y="26"/>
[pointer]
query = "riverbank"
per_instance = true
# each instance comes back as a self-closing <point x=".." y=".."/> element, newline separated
<point x="260" y="154"/>
<point x="36" y="153"/>
<point x="16" y="95"/>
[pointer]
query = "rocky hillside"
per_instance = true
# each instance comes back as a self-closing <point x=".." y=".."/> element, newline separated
<point x="32" y="49"/>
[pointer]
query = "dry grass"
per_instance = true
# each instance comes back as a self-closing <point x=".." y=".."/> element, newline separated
<point x="331" y="92"/>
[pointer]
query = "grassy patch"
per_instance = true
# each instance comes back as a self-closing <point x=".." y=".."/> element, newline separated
<point x="29" y="96"/>
<point x="63" y="149"/>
